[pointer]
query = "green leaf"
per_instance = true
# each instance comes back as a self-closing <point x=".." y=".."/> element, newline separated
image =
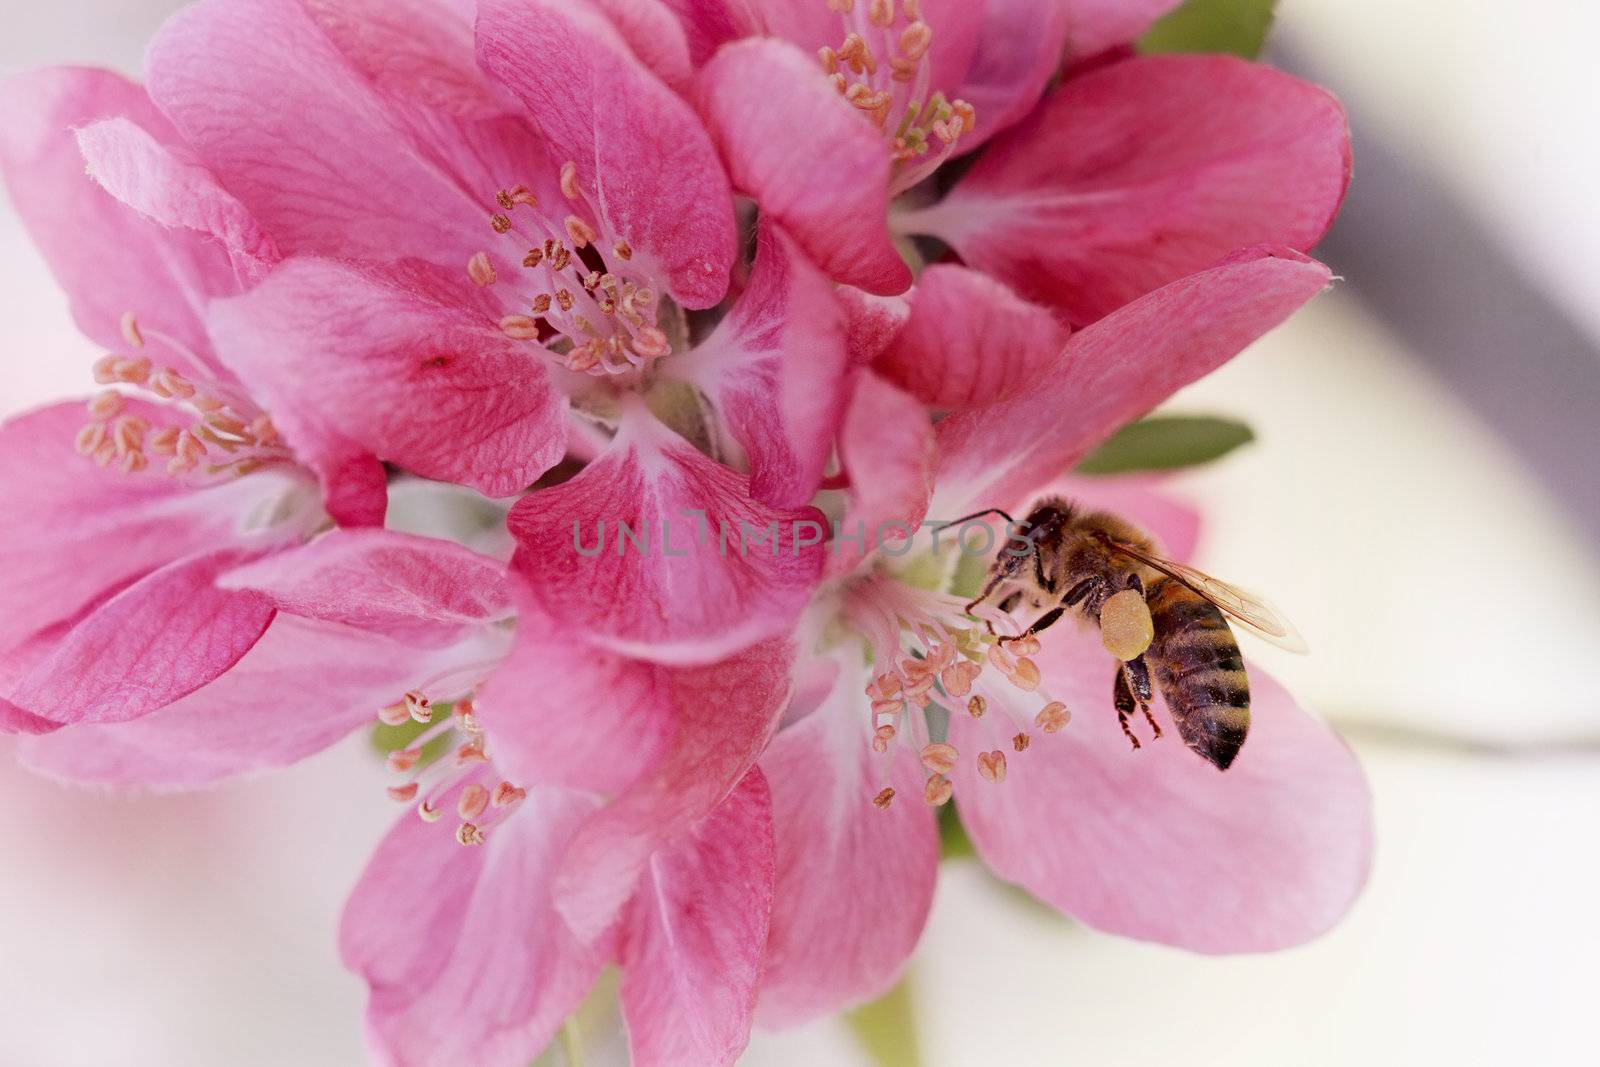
<point x="887" y="1028"/>
<point x="1235" y="27"/>
<point x="1167" y="442"/>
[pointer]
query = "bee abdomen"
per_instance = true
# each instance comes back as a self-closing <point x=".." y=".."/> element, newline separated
<point x="1200" y="672"/>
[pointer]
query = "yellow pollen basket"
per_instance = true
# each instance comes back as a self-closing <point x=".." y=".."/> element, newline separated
<point x="1126" y="628"/>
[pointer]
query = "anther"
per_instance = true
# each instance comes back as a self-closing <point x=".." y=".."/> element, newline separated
<point x="130" y="330"/>
<point x="427" y="812"/>
<point x="481" y="270"/>
<point x="936" y="791"/>
<point x="468" y="834"/>
<point x="915" y="39"/>
<point x="105" y="369"/>
<point x="829" y="59"/>
<point x="1021" y="742"/>
<point x="651" y="343"/>
<point x="471" y="752"/>
<point x="472" y="802"/>
<point x="843" y="7"/>
<point x="1026" y="676"/>
<point x="106" y="405"/>
<point x="90" y="438"/>
<point x="419" y="707"/>
<point x="402" y="760"/>
<point x="133" y="462"/>
<point x="503" y="198"/>
<point x="624" y="250"/>
<point x="501" y="223"/>
<point x="1052" y="717"/>
<point x="506" y="794"/>
<point x="534" y="257"/>
<point x="881" y="13"/>
<point x="564" y="297"/>
<point x="522" y="195"/>
<point x="163" y="441"/>
<point x="569" y="180"/>
<point x="581" y="233"/>
<point x="883" y="800"/>
<point x="403" y="794"/>
<point x="519" y="328"/>
<point x="977" y="706"/>
<point x="881" y="738"/>
<point x="992" y="766"/>
<point x="939" y="757"/>
<point x="169" y="384"/>
<point x="541" y="303"/>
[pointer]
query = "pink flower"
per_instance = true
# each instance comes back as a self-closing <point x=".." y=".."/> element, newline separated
<point x="448" y="204"/>
<point x="182" y="472"/>
<point x="1153" y="844"/>
<point x="1129" y="176"/>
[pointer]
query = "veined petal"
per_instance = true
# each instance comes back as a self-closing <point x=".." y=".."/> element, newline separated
<point x="1019" y="49"/>
<point x="464" y="954"/>
<point x="1096" y="25"/>
<point x="301" y="688"/>
<point x="110" y="259"/>
<point x="122" y="526"/>
<point x="970" y="341"/>
<point x="639" y="150"/>
<point x="166" y="185"/>
<point x="657" y="551"/>
<point x="413" y="588"/>
<point x="1114" y="371"/>
<point x="720" y="717"/>
<point x="1157" y="844"/>
<point x="300" y="123"/>
<point x="696" y="936"/>
<point x="775" y="371"/>
<point x="776" y="120"/>
<point x="888" y="452"/>
<point x="655" y="36"/>
<point x="155" y="642"/>
<point x="854" y="883"/>
<point x="1139" y="173"/>
<point x="393" y="364"/>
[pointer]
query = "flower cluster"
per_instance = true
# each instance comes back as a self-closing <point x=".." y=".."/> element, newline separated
<point x="530" y="267"/>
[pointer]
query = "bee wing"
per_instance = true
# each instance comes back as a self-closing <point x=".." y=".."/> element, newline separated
<point x="1252" y="612"/>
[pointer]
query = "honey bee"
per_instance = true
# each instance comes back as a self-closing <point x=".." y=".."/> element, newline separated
<point x="1167" y="623"/>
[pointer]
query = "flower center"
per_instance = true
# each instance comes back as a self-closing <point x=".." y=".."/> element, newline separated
<point x="883" y="68"/>
<point x="447" y="763"/>
<point x="580" y="293"/>
<point x="934" y="663"/>
<point x="214" y="431"/>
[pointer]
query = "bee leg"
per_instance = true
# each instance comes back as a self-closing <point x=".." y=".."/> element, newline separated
<point x="1086" y="593"/>
<point x="994" y="583"/>
<point x="1138" y="672"/>
<point x="1122" y="697"/>
<point x="1136" y="583"/>
<point x="1043" y="622"/>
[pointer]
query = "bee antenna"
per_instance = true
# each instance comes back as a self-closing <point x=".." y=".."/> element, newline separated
<point x="981" y="514"/>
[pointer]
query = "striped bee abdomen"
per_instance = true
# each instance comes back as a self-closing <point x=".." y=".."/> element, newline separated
<point x="1199" y="670"/>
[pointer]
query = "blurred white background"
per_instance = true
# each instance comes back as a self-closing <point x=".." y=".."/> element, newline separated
<point x="1452" y="605"/>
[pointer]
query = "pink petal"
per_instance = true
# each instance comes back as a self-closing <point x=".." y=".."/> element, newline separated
<point x="415" y="588"/>
<point x="970" y="341"/>
<point x="774" y="370"/>
<point x="1095" y="25"/>
<point x="467" y="961"/>
<point x="692" y="954"/>
<point x="854" y="883"/>
<point x="888" y="452"/>
<point x="720" y="718"/>
<point x="638" y="148"/>
<point x="123" y="526"/>
<point x="655" y="35"/>
<point x="710" y="24"/>
<point x="393" y="365"/>
<point x="1019" y="51"/>
<point x="327" y="159"/>
<point x="157" y="641"/>
<point x="656" y="551"/>
<point x="167" y="185"/>
<point x="302" y="687"/>
<point x="1139" y="173"/>
<point x="566" y="714"/>
<point x="418" y="51"/>
<point x="773" y="153"/>
<point x="108" y="258"/>
<point x="1114" y="371"/>
<point x="1157" y="844"/>
<point x="874" y="322"/>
